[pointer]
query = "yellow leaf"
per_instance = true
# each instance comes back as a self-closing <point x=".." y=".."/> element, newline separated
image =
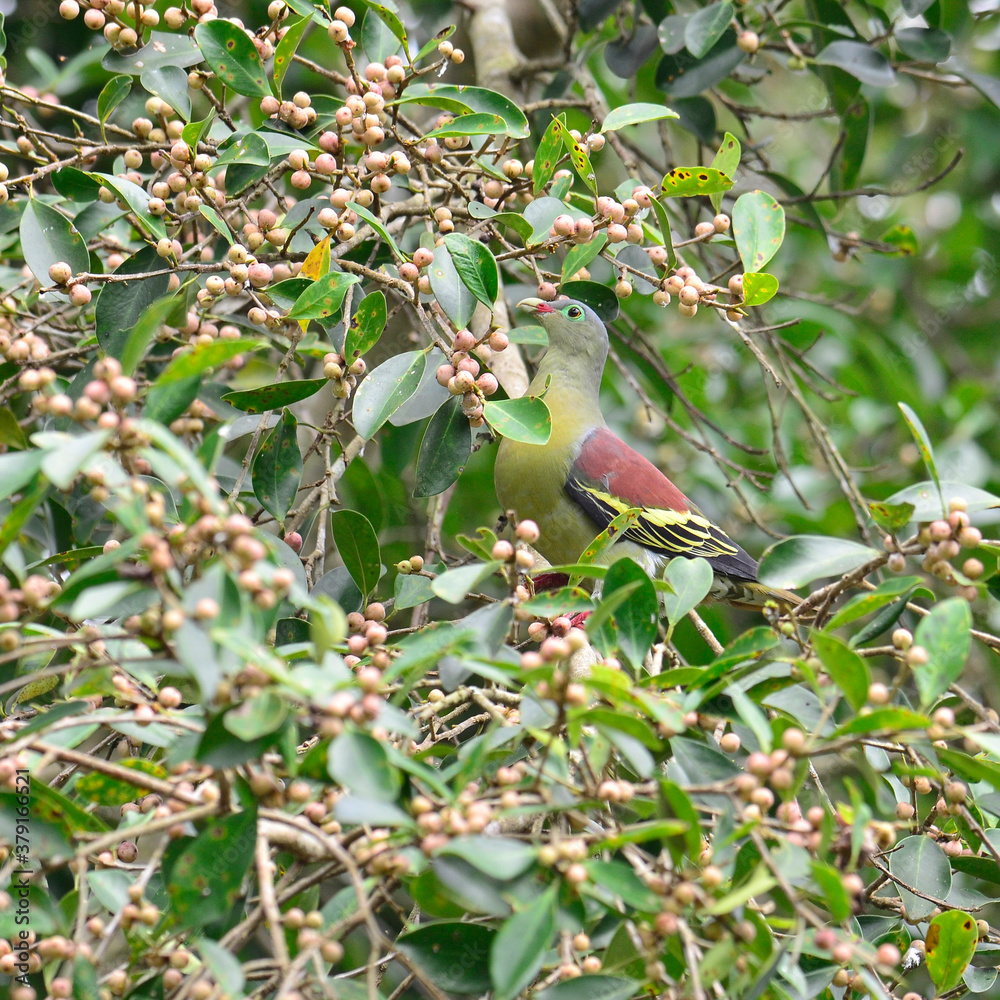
<point x="315" y="266"/>
<point x="318" y="262"/>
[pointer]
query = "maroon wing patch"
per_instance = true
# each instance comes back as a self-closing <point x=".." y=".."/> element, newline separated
<point x="624" y="473"/>
<point x="609" y="477"/>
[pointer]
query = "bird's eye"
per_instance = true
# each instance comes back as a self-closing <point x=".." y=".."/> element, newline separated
<point x="574" y="312"/>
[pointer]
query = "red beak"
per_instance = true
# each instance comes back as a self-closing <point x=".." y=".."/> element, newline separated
<point x="536" y="306"/>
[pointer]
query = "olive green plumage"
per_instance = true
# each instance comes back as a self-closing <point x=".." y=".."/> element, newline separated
<point x="584" y="476"/>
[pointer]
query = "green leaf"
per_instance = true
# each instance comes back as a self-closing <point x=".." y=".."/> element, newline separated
<point x="409" y="591"/>
<point x="475" y="123"/>
<point x="68" y="454"/>
<point x="831" y="890"/>
<point x="121" y="304"/>
<point x="258" y="716"/>
<point x="476" y="266"/>
<point x="759" y="883"/>
<point x="923" y="442"/>
<point x="104" y="600"/>
<point x="48" y="237"/>
<point x="682" y="75"/>
<point x="216" y="222"/>
<point x="856" y="122"/>
<point x="944" y="633"/>
<point x="376" y="223"/>
<point x="892" y="720"/>
<point x="277" y="468"/>
<point x="674" y="801"/>
<point x="361" y="763"/>
<point x="861" y="60"/>
<point x="541" y="213"/>
<point x="75" y="185"/>
<point x="632" y="114"/>
<point x="391" y="20"/>
<point x="691" y="580"/>
<point x="111" y="96"/>
<point x="919" y="862"/>
<point x="973" y="768"/>
<point x="162" y="48"/>
<point x="798" y="560"/>
<point x="548" y="154"/>
<point x="903" y="238"/>
<point x="19" y="515"/>
<point x="10" y="430"/>
<point x="137" y="200"/>
<point x="599" y="297"/>
<point x="705" y="27"/>
<point x="670" y="32"/>
<point x="166" y="402"/>
<point x="274" y="396"/>
<point x="200" y="889"/>
<point x="686" y="182"/>
<point x="385" y="389"/>
<point x="324" y="296"/>
<point x="451" y="953"/>
<point x="519" y="948"/>
<point x="949" y="946"/>
<point x="758" y="288"/>
<point x="170" y="84"/>
<point x="663" y="222"/>
<point x="357" y="544"/>
<point x="512" y="220"/>
<point x="286" y="48"/>
<point x="759" y="228"/>
<point x="577" y="154"/>
<point x="580" y="256"/>
<point x="727" y="159"/>
<point x="85" y="986"/>
<point x="526" y="419"/>
<point x="454" y="296"/>
<point x="847" y="669"/>
<point x="205" y="356"/>
<point x="590" y="988"/>
<point x="603" y="541"/>
<point x="433" y="42"/>
<point x="223" y="966"/>
<point x="619" y="879"/>
<point x="444" y="450"/>
<point x="927" y="503"/>
<point x="637" y="617"/>
<point x="929" y="45"/>
<point x="366" y="326"/>
<point x="464" y="99"/>
<point x="454" y="585"/>
<point x="246" y="148"/>
<point x="864" y="604"/>
<point x="498" y="857"/>
<point x="891" y="517"/>
<point x="144" y="332"/>
<point x="233" y="57"/>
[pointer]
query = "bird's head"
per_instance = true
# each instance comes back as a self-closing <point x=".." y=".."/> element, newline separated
<point x="572" y="326"/>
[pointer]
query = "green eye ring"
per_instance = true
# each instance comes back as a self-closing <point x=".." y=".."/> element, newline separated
<point x="574" y="312"/>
